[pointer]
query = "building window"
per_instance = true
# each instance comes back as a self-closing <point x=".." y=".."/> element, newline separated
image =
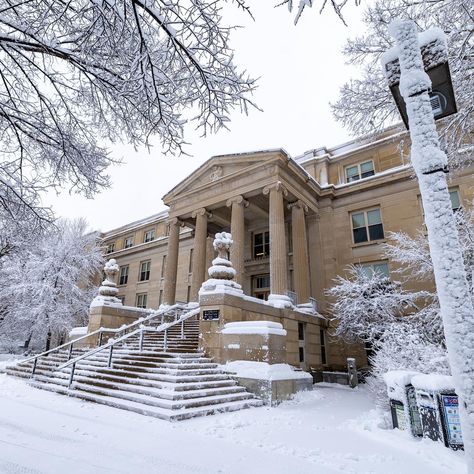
<point x="261" y="245"/>
<point x="110" y="248"/>
<point x="455" y="200"/>
<point x="190" y="267"/>
<point x="123" y="278"/>
<point x="163" y="266"/>
<point x="380" y="268"/>
<point x="300" y="331"/>
<point x="121" y="298"/>
<point x="144" y="271"/>
<point x="301" y="338"/>
<point x="301" y="352"/>
<point x="261" y="286"/>
<point x="128" y="242"/>
<point x="188" y="294"/>
<point x="149" y="235"/>
<point x="367" y="226"/>
<point x="322" y="342"/>
<point x="141" y="300"/>
<point x="359" y="171"/>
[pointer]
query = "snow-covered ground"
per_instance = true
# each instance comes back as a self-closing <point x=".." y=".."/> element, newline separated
<point x="332" y="429"/>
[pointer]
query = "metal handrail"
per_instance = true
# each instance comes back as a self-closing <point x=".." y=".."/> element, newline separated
<point x="100" y="331"/>
<point x="110" y="345"/>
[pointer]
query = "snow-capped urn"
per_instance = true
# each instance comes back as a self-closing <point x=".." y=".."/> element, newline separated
<point x="108" y="289"/>
<point x="221" y="266"/>
<point x="221" y="273"/>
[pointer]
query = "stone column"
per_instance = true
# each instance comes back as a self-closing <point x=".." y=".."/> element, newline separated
<point x="171" y="270"/>
<point x="300" y="251"/>
<point x="278" y="253"/>
<point x="237" y="229"/>
<point x="199" y="253"/>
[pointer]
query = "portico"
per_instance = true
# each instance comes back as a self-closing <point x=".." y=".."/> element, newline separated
<point x="253" y="196"/>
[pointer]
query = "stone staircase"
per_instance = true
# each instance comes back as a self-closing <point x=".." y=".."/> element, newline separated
<point x="170" y="379"/>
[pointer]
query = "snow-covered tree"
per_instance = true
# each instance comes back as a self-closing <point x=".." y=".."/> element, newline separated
<point x="73" y="73"/>
<point x="402" y="327"/>
<point x="365" y="104"/>
<point x="365" y="302"/>
<point x="46" y="288"/>
<point x="412" y="254"/>
<point x="404" y="346"/>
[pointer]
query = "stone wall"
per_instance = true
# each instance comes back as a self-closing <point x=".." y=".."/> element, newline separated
<point x="233" y="308"/>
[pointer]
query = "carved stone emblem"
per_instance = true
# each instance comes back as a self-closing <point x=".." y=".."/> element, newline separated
<point x="216" y="173"/>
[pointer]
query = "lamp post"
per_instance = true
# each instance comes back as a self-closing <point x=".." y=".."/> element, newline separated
<point x="430" y="165"/>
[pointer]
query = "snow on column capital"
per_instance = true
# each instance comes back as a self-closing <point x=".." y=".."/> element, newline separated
<point x="221" y="272"/>
<point x="108" y="289"/>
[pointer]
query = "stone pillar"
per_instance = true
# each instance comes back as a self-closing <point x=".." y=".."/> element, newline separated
<point x="210" y="254"/>
<point x="237" y="229"/>
<point x="300" y="251"/>
<point x="171" y="271"/>
<point x="199" y="253"/>
<point x="278" y="253"/>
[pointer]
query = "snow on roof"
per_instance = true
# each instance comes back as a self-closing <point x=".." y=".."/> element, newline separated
<point x="356" y="145"/>
<point x="435" y="54"/>
<point x="435" y="382"/>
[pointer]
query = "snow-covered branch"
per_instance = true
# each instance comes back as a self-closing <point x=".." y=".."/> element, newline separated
<point x="365" y="104"/>
<point x="73" y="73"/>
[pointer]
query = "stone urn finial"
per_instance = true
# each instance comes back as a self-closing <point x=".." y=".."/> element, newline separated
<point x="221" y="273"/>
<point x="221" y="266"/>
<point x="108" y="290"/>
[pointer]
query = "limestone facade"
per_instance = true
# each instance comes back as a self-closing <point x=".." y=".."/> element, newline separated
<point x="296" y="223"/>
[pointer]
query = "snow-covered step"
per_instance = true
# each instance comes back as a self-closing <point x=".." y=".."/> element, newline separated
<point x="172" y="384"/>
<point x="162" y="413"/>
<point x="162" y="402"/>
<point x="80" y="375"/>
<point x="166" y="392"/>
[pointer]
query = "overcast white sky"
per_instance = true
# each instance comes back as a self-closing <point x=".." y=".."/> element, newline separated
<point x="300" y="68"/>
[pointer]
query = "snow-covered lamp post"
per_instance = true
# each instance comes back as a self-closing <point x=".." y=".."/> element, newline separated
<point x="430" y="163"/>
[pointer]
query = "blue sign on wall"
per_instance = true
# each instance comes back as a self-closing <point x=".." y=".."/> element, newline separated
<point x="451" y="415"/>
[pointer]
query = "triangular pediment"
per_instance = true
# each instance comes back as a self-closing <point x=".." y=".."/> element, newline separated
<point x="221" y="168"/>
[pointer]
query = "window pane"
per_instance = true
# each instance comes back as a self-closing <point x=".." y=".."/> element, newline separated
<point x="376" y="232"/>
<point x="352" y="173"/>
<point x="454" y="196"/>
<point x="360" y="235"/>
<point x="366" y="167"/>
<point x="373" y="217"/>
<point x="358" y="220"/>
<point x="367" y="270"/>
<point x="258" y="239"/>
<point x="381" y="268"/>
<point x="301" y="331"/>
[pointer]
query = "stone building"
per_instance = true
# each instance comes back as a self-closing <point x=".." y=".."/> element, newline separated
<point x="296" y="223"/>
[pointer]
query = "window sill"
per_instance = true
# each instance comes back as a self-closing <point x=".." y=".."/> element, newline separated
<point x="143" y="281"/>
<point x="372" y="242"/>
<point x="122" y="285"/>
